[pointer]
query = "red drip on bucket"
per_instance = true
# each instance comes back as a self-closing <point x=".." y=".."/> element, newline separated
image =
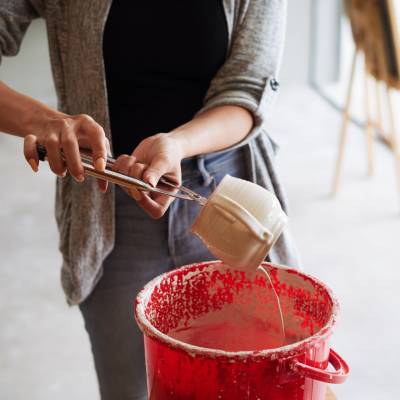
<point x="235" y="347"/>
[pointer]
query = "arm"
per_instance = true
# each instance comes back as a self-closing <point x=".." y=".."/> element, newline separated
<point x="248" y="77"/>
<point x="161" y="154"/>
<point x="213" y="130"/>
<point x="20" y="114"/>
<point x="236" y="105"/>
<point x="34" y="121"/>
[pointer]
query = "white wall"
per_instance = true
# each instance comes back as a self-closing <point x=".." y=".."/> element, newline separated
<point x="29" y="72"/>
<point x="295" y="63"/>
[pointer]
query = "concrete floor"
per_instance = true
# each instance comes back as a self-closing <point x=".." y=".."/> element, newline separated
<point x="349" y="243"/>
<point x="44" y="352"/>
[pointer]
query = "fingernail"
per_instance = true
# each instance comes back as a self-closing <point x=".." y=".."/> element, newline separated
<point x="33" y="164"/>
<point x="152" y="181"/>
<point x="104" y="189"/>
<point x="63" y="175"/>
<point x="80" y="178"/>
<point x="100" y="164"/>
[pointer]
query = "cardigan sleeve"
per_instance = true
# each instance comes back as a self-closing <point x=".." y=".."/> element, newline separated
<point x="248" y="76"/>
<point x="15" y="17"/>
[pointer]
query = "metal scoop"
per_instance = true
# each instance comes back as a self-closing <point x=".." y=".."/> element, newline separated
<point x="164" y="186"/>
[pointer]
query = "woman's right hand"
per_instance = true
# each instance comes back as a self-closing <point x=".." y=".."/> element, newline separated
<point x="26" y="117"/>
<point x="62" y="131"/>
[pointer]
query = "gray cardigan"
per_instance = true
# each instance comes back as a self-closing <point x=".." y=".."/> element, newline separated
<point x="85" y="217"/>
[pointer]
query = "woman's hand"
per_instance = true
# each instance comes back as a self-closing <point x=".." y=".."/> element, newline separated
<point x="154" y="157"/>
<point x="61" y="131"/>
<point x="38" y="123"/>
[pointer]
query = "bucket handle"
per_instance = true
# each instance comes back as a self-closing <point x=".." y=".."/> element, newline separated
<point x="338" y="376"/>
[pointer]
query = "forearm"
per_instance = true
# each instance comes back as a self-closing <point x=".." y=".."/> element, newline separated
<point x="21" y="115"/>
<point x="213" y="130"/>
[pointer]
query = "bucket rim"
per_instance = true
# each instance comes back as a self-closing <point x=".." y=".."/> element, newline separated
<point x="274" y="353"/>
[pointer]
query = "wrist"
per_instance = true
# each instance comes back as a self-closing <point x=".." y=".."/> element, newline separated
<point x="182" y="143"/>
<point x="37" y="117"/>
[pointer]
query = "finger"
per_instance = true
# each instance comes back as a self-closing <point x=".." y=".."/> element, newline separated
<point x="132" y="192"/>
<point x="158" y="167"/>
<point x="102" y="185"/>
<point x="98" y="142"/>
<point x="126" y="165"/>
<point x="123" y="164"/>
<point x="155" y="208"/>
<point x="108" y="146"/>
<point x="30" y="152"/>
<point x="136" y="171"/>
<point x="52" y="145"/>
<point x="135" y="193"/>
<point x="70" y="147"/>
<point x="118" y="162"/>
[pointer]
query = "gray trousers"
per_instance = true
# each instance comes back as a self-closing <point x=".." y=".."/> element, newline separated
<point x="145" y="248"/>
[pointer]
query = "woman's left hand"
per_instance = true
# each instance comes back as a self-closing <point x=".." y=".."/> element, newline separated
<point x="154" y="157"/>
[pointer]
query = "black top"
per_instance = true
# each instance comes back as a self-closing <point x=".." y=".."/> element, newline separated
<point x="160" y="56"/>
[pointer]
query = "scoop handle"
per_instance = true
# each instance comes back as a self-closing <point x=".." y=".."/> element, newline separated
<point x="109" y="175"/>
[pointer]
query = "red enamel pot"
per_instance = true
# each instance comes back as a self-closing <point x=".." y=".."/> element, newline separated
<point x="298" y="369"/>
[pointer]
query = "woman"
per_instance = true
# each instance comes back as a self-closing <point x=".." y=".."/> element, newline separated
<point x="172" y="87"/>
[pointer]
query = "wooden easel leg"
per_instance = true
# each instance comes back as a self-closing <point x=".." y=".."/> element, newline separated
<point x="379" y="118"/>
<point x="393" y="136"/>
<point x="383" y="78"/>
<point x="369" y="125"/>
<point x="345" y="123"/>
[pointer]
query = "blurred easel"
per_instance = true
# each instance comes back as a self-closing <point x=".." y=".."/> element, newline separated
<point x="329" y="394"/>
<point x="377" y="43"/>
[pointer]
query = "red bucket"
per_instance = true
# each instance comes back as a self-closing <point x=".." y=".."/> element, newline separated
<point x="241" y="354"/>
